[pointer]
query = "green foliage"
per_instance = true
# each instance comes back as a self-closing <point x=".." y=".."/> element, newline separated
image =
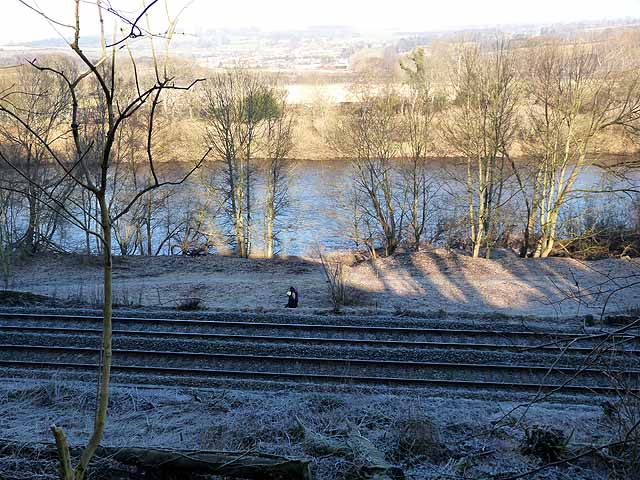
<point x="416" y="68"/>
<point x="262" y="105"/>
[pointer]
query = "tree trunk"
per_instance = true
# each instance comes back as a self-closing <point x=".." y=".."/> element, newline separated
<point x="248" y="226"/>
<point x="228" y="464"/>
<point x="256" y="466"/>
<point x="30" y="237"/>
<point x="102" y="401"/>
<point x="149" y="232"/>
<point x="526" y="241"/>
<point x="476" y="245"/>
<point x="105" y="373"/>
<point x="64" y="455"/>
<point x="268" y="234"/>
<point x="550" y="239"/>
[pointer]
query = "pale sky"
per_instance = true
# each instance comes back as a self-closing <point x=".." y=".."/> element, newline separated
<point x="18" y="23"/>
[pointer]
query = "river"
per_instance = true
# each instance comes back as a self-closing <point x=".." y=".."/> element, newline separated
<point x="319" y="211"/>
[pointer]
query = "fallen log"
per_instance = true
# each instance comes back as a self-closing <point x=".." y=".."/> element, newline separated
<point x="232" y="464"/>
<point x="246" y="465"/>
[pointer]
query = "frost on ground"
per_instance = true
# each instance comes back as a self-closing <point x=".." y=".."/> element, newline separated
<point x="435" y="279"/>
<point x="430" y="438"/>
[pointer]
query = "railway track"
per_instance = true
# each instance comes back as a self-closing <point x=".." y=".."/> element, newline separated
<point x="42" y="349"/>
<point x="299" y="330"/>
<point x="173" y="376"/>
<point x="554" y="346"/>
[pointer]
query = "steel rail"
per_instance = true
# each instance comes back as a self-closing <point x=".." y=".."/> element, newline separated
<point x="288" y="360"/>
<point x="307" y="378"/>
<point x="515" y="348"/>
<point x="311" y="326"/>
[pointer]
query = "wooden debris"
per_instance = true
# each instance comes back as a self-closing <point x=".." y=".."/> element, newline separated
<point x="247" y="465"/>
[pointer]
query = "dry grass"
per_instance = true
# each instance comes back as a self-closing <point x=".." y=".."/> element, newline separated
<point x="623" y="417"/>
<point x="34" y="466"/>
<point x="428" y="437"/>
<point x="422" y="282"/>
<point x="414" y="436"/>
<point x="51" y="394"/>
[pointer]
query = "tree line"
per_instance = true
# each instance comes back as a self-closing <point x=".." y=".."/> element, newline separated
<point x="521" y="125"/>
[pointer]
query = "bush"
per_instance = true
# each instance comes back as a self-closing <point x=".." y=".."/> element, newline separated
<point x="598" y="231"/>
<point x="9" y="298"/>
<point x="622" y="418"/>
<point x="547" y="444"/>
<point x="413" y="436"/>
<point x="336" y="278"/>
<point x="190" y="304"/>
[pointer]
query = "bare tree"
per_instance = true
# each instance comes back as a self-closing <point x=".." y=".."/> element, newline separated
<point x="481" y="128"/>
<point x="370" y="133"/>
<point x="574" y="94"/>
<point x="419" y="112"/>
<point x="42" y="102"/>
<point x="334" y="271"/>
<point x="121" y="105"/>
<point x="246" y="117"/>
<point x="278" y="144"/>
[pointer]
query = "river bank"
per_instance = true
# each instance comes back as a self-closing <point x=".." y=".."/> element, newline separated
<point x="434" y="280"/>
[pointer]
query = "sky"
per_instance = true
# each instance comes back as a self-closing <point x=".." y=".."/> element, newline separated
<point x="19" y="24"/>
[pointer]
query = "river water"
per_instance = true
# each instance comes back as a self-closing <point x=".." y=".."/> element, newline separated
<point x="320" y="201"/>
<point x="319" y="211"/>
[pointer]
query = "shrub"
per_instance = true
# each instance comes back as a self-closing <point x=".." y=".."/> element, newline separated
<point x="547" y="444"/>
<point x="414" y="435"/>
<point x="190" y="304"/>
<point x="622" y="417"/>
<point x="336" y="278"/>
